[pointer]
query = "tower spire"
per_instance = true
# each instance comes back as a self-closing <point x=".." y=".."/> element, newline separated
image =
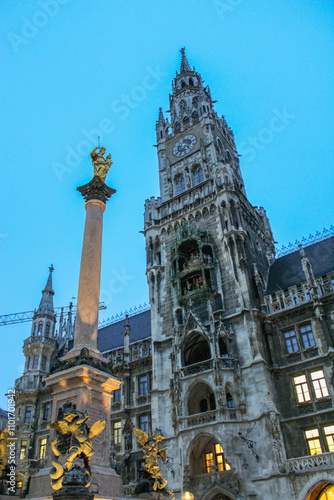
<point x="185" y="66"/>
<point x="46" y="304"/>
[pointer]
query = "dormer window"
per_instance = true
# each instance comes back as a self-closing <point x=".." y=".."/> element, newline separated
<point x="191" y="81"/>
<point x="183" y="84"/>
<point x="180" y="184"/>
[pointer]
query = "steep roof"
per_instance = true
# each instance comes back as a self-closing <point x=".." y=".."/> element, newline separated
<point x="112" y="336"/>
<point x="287" y="270"/>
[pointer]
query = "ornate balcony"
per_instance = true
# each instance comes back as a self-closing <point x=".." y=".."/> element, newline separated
<point x="311" y="463"/>
<point x="201" y="367"/>
<point x="200" y="419"/>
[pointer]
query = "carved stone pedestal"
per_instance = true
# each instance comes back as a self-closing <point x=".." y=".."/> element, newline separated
<point x="73" y="492"/>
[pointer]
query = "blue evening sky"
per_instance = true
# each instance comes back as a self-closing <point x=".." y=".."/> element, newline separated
<point x="72" y="70"/>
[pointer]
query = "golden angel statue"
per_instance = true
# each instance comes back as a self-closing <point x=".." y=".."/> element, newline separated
<point x="101" y="165"/>
<point x="73" y="437"/>
<point x="152" y="472"/>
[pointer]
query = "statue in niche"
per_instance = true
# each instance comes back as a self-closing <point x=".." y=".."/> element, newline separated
<point x="101" y="165"/>
<point x="73" y="437"/>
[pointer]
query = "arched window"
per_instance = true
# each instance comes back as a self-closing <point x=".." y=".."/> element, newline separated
<point x="180" y="184"/>
<point x="195" y="115"/>
<point x="191" y="81"/>
<point x="185" y="120"/>
<point x="229" y="400"/>
<point x="47" y="329"/>
<point x="198" y="175"/>
<point x="183" y="84"/>
<point x="161" y="134"/>
<point x="177" y="127"/>
<point x="195" y="102"/>
<point x="223" y="348"/>
<point x="40" y="329"/>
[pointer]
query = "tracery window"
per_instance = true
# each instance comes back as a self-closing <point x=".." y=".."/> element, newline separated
<point x="198" y="175"/>
<point x="180" y="184"/>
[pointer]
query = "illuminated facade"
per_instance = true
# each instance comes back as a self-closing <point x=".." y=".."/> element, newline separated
<point x="233" y="361"/>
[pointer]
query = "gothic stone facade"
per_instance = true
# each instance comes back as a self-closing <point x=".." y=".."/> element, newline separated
<point x="233" y="361"/>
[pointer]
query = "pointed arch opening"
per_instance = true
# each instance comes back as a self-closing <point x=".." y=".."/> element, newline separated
<point x="201" y="399"/>
<point x="207" y="456"/>
<point x="196" y="349"/>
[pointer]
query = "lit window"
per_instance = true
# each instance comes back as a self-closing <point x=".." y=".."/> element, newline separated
<point x="291" y="341"/>
<point x="143" y="423"/>
<point x="319" y="384"/>
<point x="27" y="416"/>
<point x="19" y="485"/>
<point x="142" y="385"/>
<point x="307" y="336"/>
<point x="198" y="176"/>
<point x="23" y="450"/>
<point x="35" y="362"/>
<point x="117" y="395"/>
<point x="219" y="456"/>
<point x="46" y="411"/>
<point x="42" y="448"/>
<point x="329" y="433"/>
<point x="209" y="465"/>
<point x="302" y="390"/>
<point x="313" y="441"/>
<point x="117" y="432"/>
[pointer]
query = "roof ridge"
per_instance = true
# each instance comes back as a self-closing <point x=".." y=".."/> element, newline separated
<point x="121" y="316"/>
<point x="306" y="242"/>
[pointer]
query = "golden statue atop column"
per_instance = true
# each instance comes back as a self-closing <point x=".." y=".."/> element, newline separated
<point x="101" y="165"/>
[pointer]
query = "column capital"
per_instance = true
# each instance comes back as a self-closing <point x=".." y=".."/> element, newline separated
<point x="96" y="189"/>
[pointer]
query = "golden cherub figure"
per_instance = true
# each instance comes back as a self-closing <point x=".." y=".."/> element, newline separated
<point x="101" y="165"/>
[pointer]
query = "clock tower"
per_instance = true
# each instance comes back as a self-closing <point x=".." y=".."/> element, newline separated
<point x="208" y="256"/>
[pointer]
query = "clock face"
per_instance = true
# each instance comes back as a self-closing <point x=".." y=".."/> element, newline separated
<point x="184" y="145"/>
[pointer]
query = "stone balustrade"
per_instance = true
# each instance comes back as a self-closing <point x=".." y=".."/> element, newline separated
<point x="203" y="366"/>
<point x="199" y="419"/>
<point x="311" y="463"/>
<point x="297" y="295"/>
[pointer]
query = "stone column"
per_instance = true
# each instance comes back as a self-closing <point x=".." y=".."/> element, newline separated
<point x="96" y="193"/>
<point x="89" y="282"/>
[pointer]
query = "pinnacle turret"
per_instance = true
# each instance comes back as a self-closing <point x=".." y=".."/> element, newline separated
<point x="46" y="304"/>
<point x="185" y="66"/>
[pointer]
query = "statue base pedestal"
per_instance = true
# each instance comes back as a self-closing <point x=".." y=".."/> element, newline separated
<point x="90" y="390"/>
<point x="70" y="492"/>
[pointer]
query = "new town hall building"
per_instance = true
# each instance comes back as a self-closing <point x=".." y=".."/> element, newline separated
<point x="233" y="361"/>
